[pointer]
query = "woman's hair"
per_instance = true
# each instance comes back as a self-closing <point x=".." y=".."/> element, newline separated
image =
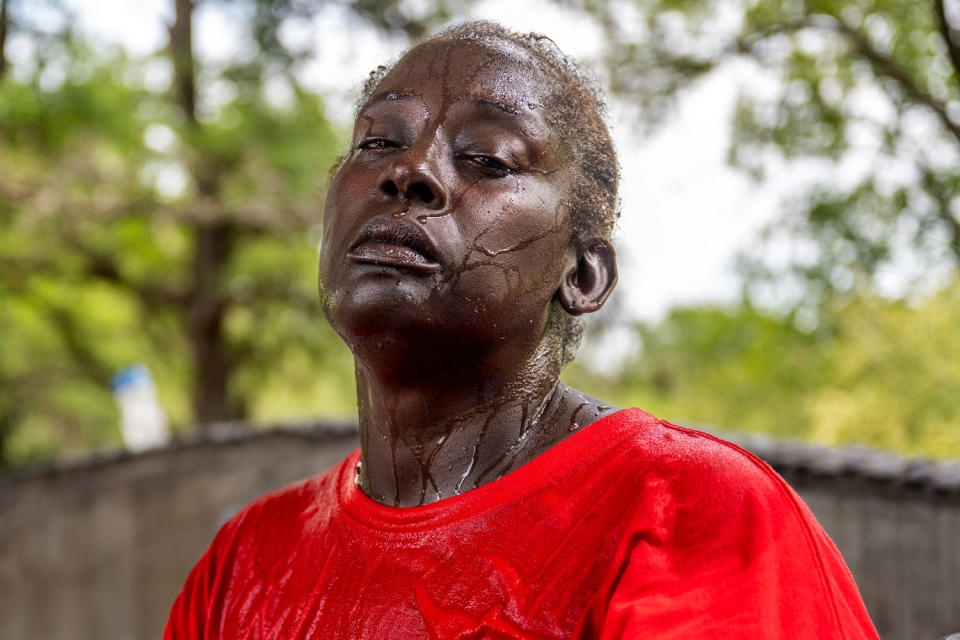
<point x="575" y="106"/>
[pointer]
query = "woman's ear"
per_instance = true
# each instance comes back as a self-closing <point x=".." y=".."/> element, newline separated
<point x="587" y="283"/>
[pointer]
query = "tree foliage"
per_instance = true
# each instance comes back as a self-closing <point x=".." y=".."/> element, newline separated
<point x="172" y="222"/>
<point x="884" y="373"/>
<point x="164" y="210"/>
<point x="859" y="101"/>
<point x="863" y="94"/>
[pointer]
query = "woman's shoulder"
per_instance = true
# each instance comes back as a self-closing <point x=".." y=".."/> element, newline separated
<point x="717" y="533"/>
<point x="692" y="461"/>
<point x="700" y="482"/>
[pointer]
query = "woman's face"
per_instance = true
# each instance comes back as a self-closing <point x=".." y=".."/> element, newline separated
<point x="447" y="219"/>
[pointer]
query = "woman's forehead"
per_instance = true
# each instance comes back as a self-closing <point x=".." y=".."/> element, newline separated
<point x="502" y="72"/>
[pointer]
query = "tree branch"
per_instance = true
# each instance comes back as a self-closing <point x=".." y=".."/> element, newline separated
<point x="104" y="268"/>
<point x="888" y="67"/>
<point x="954" y="228"/>
<point x="78" y="347"/>
<point x="948" y="32"/>
<point x="882" y="64"/>
<point x="943" y="196"/>
<point x="746" y="43"/>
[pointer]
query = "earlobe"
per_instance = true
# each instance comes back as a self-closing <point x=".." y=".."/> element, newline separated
<point x="587" y="284"/>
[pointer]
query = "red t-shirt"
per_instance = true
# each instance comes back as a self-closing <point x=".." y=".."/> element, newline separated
<point x="630" y="528"/>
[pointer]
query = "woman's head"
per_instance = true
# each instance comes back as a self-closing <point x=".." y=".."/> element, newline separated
<point x="473" y="208"/>
<point x="575" y="108"/>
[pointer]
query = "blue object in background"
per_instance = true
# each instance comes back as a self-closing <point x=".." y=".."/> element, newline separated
<point x="143" y="420"/>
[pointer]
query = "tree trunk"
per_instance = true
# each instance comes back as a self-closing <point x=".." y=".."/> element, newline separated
<point x="3" y="37"/>
<point x="205" y="306"/>
<point x="205" y="314"/>
<point x="181" y="51"/>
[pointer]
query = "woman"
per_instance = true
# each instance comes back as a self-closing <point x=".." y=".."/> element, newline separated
<point x="465" y="232"/>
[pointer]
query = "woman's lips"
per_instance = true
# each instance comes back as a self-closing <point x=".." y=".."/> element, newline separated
<point x="391" y="255"/>
<point x="394" y="243"/>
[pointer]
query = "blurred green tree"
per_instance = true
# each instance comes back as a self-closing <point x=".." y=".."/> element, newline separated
<point x="859" y="101"/>
<point x="864" y="94"/>
<point x="163" y="210"/>
<point x="870" y="373"/>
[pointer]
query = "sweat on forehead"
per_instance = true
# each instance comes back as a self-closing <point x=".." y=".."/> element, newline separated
<point x="498" y="74"/>
<point x="575" y="106"/>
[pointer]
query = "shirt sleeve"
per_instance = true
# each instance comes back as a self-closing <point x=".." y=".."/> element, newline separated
<point x="732" y="553"/>
<point x="188" y="617"/>
<point x="197" y="612"/>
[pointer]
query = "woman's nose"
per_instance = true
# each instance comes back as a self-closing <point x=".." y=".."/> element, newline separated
<point x="413" y="177"/>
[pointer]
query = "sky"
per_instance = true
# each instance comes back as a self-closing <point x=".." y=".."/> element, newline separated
<point x="685" y="213"/>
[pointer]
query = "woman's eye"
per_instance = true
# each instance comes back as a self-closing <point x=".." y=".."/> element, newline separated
<point x="491" y="165"/>
<point x="377" y="144"/>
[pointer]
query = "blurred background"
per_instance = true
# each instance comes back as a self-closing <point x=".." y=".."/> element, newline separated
<point x="789" y="239"/>
<point x="789" y="244"/>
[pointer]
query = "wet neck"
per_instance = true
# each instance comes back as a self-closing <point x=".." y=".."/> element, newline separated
<point x="423" y="441"/>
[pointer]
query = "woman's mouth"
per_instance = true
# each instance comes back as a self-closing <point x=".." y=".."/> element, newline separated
<point x="393" y="244"/>
<point x="391" y="255"/>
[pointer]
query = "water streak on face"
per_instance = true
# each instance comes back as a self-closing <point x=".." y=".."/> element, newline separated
<point x="447" y="255"/>
<point x="447" y="218"/>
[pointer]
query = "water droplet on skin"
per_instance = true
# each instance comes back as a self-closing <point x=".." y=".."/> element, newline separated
<point x="404" y="211"/>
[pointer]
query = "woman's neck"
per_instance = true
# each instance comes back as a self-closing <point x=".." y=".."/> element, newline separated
<point x="422" y="442"/>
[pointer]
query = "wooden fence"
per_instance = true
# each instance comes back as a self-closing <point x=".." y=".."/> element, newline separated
<point x="99" y="548"/>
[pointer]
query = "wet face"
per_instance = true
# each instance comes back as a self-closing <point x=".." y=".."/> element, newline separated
<point x="447" y="222"/>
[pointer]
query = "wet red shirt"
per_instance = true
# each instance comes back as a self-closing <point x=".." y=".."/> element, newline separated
<point x="630" y="528"/>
